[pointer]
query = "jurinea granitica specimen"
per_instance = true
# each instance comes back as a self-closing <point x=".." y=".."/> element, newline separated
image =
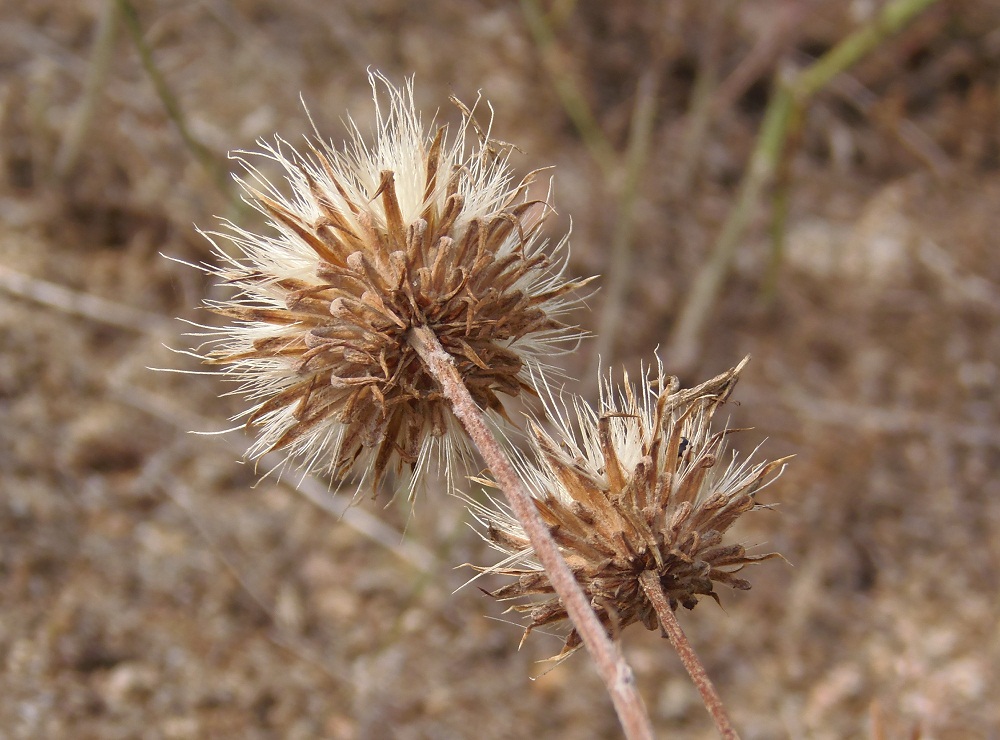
<point x="641" y="486"/>
<point x="401" y="290"/>
<point x="364" y="243"/>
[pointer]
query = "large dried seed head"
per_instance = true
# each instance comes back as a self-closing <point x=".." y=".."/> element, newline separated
<point x="640" y="486"/>
<point x="370" y="241"/>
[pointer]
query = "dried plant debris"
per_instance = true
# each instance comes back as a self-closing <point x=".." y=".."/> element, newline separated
<point x="640" y="486"/>
<point x="371" y="241"/>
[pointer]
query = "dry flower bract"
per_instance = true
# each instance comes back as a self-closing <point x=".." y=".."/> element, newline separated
<point x="371" y="241"/>
<point x="639" y="487"/>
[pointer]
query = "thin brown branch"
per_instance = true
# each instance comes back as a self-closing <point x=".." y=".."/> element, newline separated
<point x="672" y="629"/>
<point x="611" y="665"/>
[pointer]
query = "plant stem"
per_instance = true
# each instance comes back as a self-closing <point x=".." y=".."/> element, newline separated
<point x="215" y="169"/>
<point x="615" y="672"/>
<point x="573" y="100"/>
<point x="671" y="627"/>
<point x="619" y="270"/>
<point x="788" y="101"/>
<point x="101" y="55"/>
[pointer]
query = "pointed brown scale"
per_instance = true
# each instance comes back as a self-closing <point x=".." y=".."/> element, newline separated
<point x="331" y="220"/>
<point x="383" y="363"/>
<point x="725" y="555"/>
<point x="221" y="357"/>
<point x="433" y="161"/>
<point x="393" y="215"/>
<point x="302" y="428"/>
<point x="467" y="244"/>
<point x="527" y="584"/>
<point x="370" y="421"/>
<point x="540" y="298"/>
<point x="416" y="246"/>
<point x="364" y="314"/>
<point x="444" y="260"/>
<point x="423" y="277"/>
<point x="643" y="532"/>
<point x="303" y="403"/>
<point x="766" y="471"/>
<point x="343" y="279"/>
<point x="457" y="280"/>
<point x="437" y="421"/>
<point x="293" y="285"/>
<point x="500" y="227"/>
<point x="491" y="271"/>
<point x="374" y="300"/>
<point x="739" y="584"/>
<point x="452" y="208"/>
<point x="553" y="512"/>
<point x="672" y="452"/>
<point x="348" y="200"/>
<point x="455" y="179"/>
<point x="612" y="465"/>
<point x="376" y="278"/>
<point x="340" y="382"/>
<point x="279" y="344"/>
<point x="506" y="540"/>
<point x="385" y="451"/>
<point x="466" y="350"/>
<point x="505" y="360"/>
<point x="570" y="477"/>
<point x="575" y="538"/>
<point x="340" y="333"/>
<point x="315" y="300"/>
<point x="329" y="351"/>
<point x="644" y="473"/>
<point x="480" y="246"/>
<point x="286" y="398"/>
<point x="531" y="581"/>
<point x="280" y="316"/>
<point x="522" y="188"/>
<point x="351" y="450"/>
<point x="291" y="221"/>
<point x="413" y="426"/>
<point x="398" y="271"/>
<point x="339" y="238"/>
<point x="502" y="304"/>
<point x="724" y="517"/>
<point x="691" y="484"/>
<point x="505" y="274"/>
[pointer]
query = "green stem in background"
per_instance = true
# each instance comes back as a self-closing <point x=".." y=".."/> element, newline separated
<point x="572" y="99"/>
<point x="215" y="169"/>
<point x="619" y="269"/>
<point x="622" y="172"/>
<point x="698" y="117"/>
<point x="101" y="54"/>
<point x="788" y="101"/>
<point x="781" y="204"/>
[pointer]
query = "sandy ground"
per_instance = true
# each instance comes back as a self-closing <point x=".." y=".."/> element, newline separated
<point x="152" y="587"/>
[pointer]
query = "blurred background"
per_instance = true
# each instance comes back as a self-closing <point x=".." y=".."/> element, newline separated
<point x="152" y="586"/>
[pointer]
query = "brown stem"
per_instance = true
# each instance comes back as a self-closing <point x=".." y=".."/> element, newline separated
<point x="650" y="582"/>
<point x="615" y="672"/>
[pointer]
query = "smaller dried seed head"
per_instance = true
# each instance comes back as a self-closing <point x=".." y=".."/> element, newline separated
<point x="371" y="241"/>
<point x="639" y="487"/>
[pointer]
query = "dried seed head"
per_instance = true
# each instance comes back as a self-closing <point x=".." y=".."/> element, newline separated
<point x="370" y="242"/>
<point x="638" y="487"/>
